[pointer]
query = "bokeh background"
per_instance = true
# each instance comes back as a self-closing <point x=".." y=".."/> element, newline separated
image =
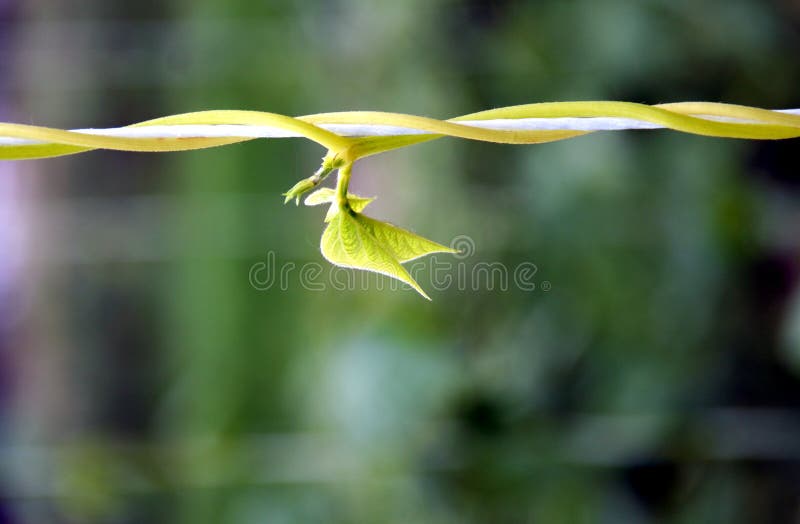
<point x="653" y="375"/>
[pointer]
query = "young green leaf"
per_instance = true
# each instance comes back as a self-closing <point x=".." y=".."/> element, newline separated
<point x="327" y="195"/>
<point x="403" y="245"/>
<point x="356" y="241"/>
<point x="323" y="195"/>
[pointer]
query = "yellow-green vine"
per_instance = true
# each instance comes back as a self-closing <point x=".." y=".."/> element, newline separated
<point x="354" y="240"/>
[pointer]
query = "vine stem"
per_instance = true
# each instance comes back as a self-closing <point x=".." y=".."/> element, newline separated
<point x="184" y="131"/>
<point x="342" y="185"/>
<point x="355" y="134"/>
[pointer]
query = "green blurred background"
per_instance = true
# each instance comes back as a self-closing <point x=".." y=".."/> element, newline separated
<point x="653" y="375"/>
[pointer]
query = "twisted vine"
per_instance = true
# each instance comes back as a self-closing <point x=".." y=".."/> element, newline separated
<point x="354" y="240"/>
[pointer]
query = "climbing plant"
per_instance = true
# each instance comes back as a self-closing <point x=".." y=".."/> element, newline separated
<point x="351" y="238"/>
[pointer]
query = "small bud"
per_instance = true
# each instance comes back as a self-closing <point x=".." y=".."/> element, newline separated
<point x="300" y="188"/>
<point x="329" y="164"/>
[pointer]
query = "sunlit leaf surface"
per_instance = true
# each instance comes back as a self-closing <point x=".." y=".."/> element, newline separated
<point x="356" y="241"/>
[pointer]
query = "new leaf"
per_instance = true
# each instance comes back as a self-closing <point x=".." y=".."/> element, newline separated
<point x="326" y="195"/>
<point x="356" y="241"/>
